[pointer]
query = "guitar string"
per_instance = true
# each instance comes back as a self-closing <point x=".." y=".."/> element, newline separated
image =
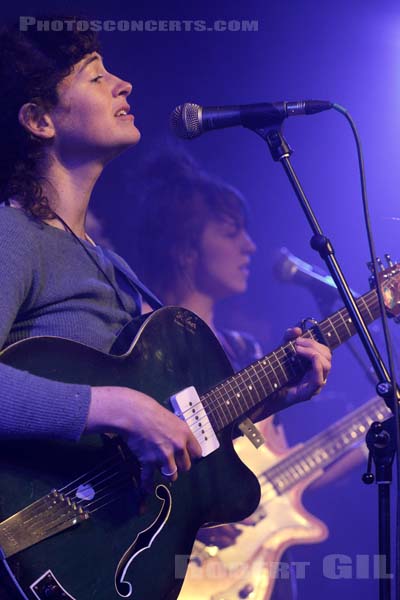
<point x="304" y="454"/>
<point x="93" y="480"/>
<point x="335" y="321"/>
<point x="213" y="404"/>
<point x="262" y="377"/>
<point x="32" y="520"/>
<point x="117" y="491"/>
<point x="88" y="473"/>
<point x="99" y="503"/>
<point x="269" y="476"/>
<point x="106" y="485"/>
<point x="332" y="447"/>
<point x="210" y="399"/>
<point x="95" y="473"/>
<point x="346" y="421"/>
<point x="110" y="489"/>
<point x="338" y="317"/>
<point x="125" y="480"/>
<point x="103" y="482"/>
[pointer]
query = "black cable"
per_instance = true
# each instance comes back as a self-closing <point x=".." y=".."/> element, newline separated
<point x="385" y="327"/>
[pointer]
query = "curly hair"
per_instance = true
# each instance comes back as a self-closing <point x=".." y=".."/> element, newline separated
<point x="32" y="64"/>
<point x="176" y="202"/>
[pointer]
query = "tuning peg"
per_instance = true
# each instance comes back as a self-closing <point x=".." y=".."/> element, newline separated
<point x="371" y="278"/>
<point x="378" y="262"/>
<point x="389" y="260"/>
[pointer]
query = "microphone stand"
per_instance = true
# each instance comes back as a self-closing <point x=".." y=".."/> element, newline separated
<point x="380" y="440"/>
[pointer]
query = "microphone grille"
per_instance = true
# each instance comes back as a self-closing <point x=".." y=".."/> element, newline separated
<point x="186" y="121"/>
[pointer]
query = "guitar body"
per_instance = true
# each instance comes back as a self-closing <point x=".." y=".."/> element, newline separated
<point x="144" y="541"/>
<point x="251" y="563"/>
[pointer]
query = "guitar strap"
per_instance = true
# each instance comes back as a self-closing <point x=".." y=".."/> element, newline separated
<point x="133" y="280"/>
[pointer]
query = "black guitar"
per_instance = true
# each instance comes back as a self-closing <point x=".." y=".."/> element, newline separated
<point x="77" y="524"/>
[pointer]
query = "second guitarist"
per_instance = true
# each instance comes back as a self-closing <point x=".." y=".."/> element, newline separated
<point x="194" y="249"/>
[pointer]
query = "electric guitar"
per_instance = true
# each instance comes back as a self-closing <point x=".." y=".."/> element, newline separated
<point x="248" y="567"/>
<point x="77" y="524"/>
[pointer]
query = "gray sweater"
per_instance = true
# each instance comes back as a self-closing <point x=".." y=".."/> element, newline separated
<point x="49" y="286"/>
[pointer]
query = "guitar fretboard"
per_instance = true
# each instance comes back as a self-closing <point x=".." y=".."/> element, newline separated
<point x="232" y="398"/>
<point x="326" y="447"/>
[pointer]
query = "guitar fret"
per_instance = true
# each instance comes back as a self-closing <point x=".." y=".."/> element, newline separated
<point x="366" y="307"/>
<point x="264" y="363"/>
<point x="230" y="393"/>
<point x="258" y="383"/>
<point x="294" y="473"/>
<point x="276" y="382"/>
<point x="290" y="364"/>
<point x="332" y="329"/>
<point x="228" y="406"/>
<point x="217" y="422"/>
<point x="295" y="363"/>
<point x="215" y="416"/>
<point x="284" y="376"/>
<point x="323" y="448"/>
<point x="252" y="384"/>
<point x="244" y="393"/>
<point x="227" y="402"/>
<point x="248" y="388"/>
<point x="305" y="466"/>
<point x="348" y="330"/>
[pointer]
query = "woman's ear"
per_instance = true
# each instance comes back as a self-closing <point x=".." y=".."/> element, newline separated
<point x="36" y="121"/>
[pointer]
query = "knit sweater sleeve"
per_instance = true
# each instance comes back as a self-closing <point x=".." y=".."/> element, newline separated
<point x="31" y="406"/>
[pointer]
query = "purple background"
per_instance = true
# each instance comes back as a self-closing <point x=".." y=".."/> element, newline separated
<point x="347" y="52"/>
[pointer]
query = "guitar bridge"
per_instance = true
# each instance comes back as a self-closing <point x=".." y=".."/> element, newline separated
<point x="38" y="521"/>
<point x="188" y="406"/>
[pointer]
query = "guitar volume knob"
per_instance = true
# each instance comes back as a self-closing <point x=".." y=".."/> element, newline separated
<point x="246" y="591"/>
<point x="389" y="260"/>
<point x="50" y="591"/>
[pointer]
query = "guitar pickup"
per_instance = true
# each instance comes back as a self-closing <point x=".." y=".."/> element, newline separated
<point x="188" y="406"/>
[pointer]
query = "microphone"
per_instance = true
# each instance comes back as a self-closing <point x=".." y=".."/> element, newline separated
<point x="290" y="268"/>
<point x="191" y="120"/>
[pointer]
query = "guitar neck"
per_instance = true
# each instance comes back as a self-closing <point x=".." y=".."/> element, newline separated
<point x="325" y="448"/>
<point x="233" y="397"/>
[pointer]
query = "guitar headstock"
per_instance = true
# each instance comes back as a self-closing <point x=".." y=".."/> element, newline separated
<point x="389" y="282"/>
